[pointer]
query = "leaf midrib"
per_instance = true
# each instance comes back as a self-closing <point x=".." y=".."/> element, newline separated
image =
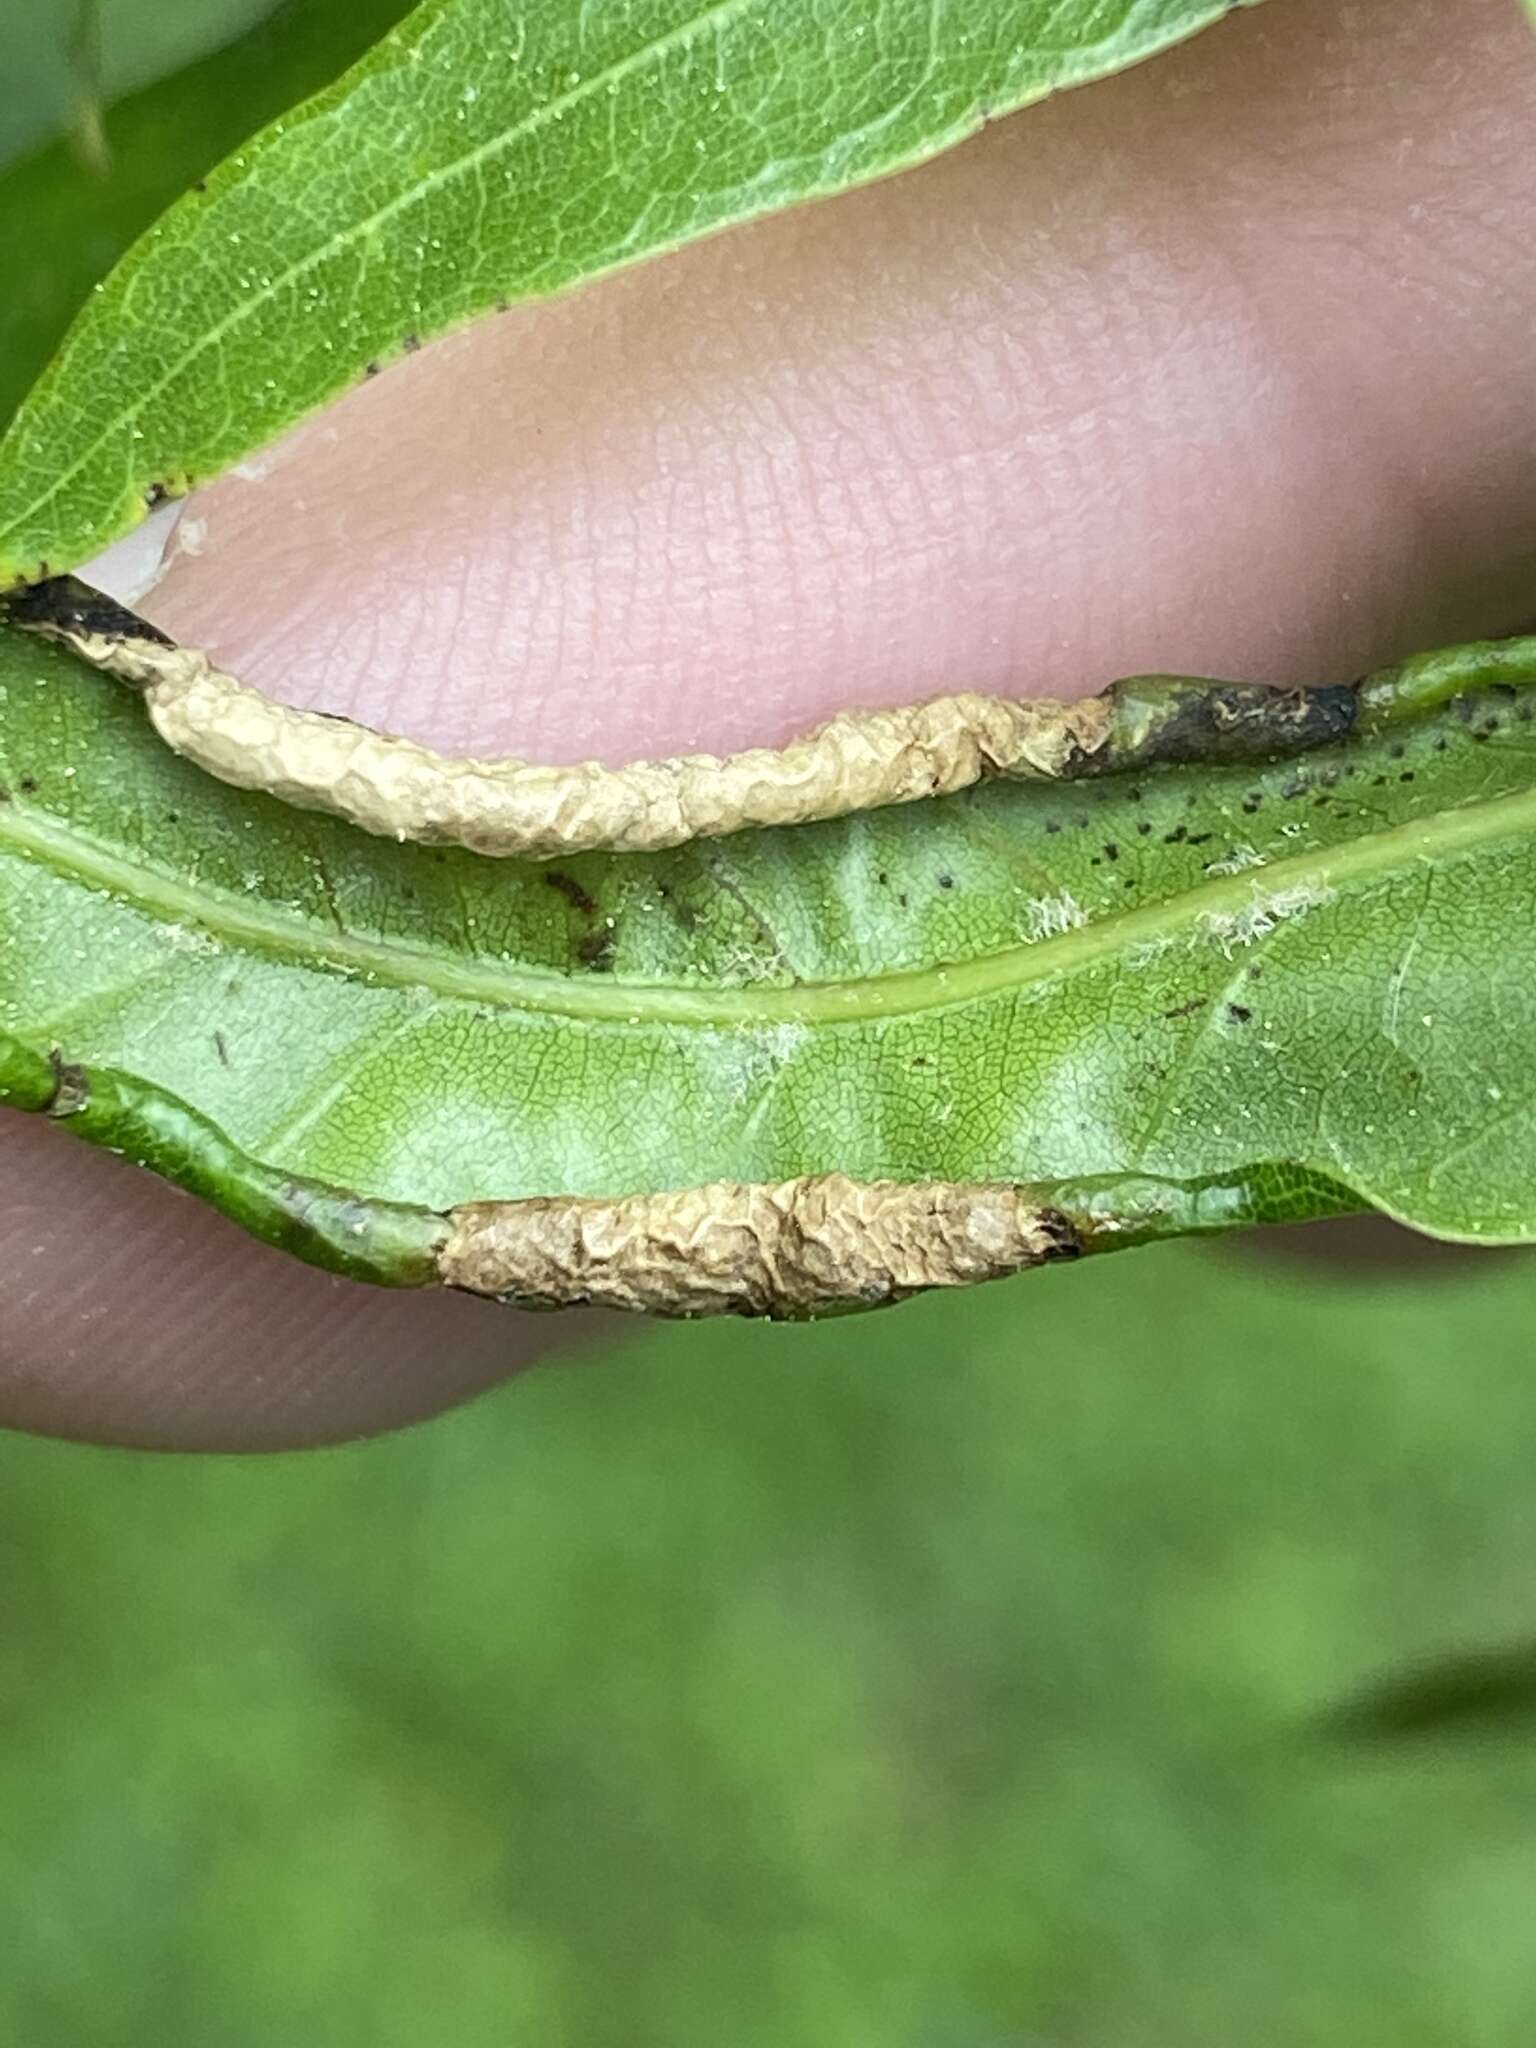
<point x="264" y="928"/>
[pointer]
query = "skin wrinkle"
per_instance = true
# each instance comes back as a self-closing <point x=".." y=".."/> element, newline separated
<point x="1149" y="441"/>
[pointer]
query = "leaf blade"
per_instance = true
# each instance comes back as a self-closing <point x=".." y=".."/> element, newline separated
<point x="367" y="219"/>
<point x="1257" y="986"/>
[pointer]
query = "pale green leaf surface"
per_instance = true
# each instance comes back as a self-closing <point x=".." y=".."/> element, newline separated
<point x="485" y="152"/>
<point x="1278" y="983"/>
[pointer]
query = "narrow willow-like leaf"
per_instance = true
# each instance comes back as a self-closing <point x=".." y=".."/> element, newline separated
<point x="1164" y="1000"/>
<point x="486" y="152"/>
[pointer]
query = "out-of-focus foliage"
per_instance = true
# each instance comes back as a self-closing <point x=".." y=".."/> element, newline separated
<point x="69" y="212"/>
<point x="970" y="1677"/>
<point x="64" y="58"/>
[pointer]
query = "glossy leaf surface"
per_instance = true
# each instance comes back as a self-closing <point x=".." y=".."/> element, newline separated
<point x="484" y="153"/>
<point x="1268" y="986"/>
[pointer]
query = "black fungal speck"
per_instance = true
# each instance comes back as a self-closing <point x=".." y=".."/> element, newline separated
<point x="1406" y="776"/>
<point x="1111" y="851"/>
<point x="410" y="343"/>
<point x="595" y="951"/>
<point x="1053" y="824"/>
<point x="1397" y="750"/>
<point x="1201" y="838"/>
<point x="28" y="785"/>
<point x="946" y="881"/>
<point x="1176" y="836"/>
<point x="567" y="886"/>
<point x="1238" y="1014"/>
<point x="1144" y="826"/>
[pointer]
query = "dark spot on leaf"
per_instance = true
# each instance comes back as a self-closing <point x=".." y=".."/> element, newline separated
<point x="1397" y="750"/>
<point x="1238" y="1014"/>
<point x="1176" y="836"/>
<point x="71" y="1086"/>
<point x="1186" y="1009"/>
<point x="221" y="1047"/>
<point x="1144" y="826"/>
<point x="946" y="881"/>
<point x="567" y="886"/>
<point x="410" y="343"/>
<point x="595" y="951"/>
<point x="1201" y="838"/>
<point x="28" y="785"/>
<point x="70" y="606"/>
<point x="1111" y="851"/>
<point x="1053" y="824"/>
<point x="1406" y="776"/>
<point x="1064" y="1240"/>
<point x="883" y="879"/>
<point x="371" y="369"/>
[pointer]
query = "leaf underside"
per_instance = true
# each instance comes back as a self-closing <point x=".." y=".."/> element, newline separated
<point x="1175" y="1000"/>
<point x="485" y="153"/>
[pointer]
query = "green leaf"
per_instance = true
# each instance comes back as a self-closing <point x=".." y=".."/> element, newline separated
<point x="1170" y="1000"/>
<point x="484" y="153"/>
<point x="75" y="218"/>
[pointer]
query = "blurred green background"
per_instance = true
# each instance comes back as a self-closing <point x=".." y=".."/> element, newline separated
<point x="969" y="1676"/>
<point x="1133" y="1656"/>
